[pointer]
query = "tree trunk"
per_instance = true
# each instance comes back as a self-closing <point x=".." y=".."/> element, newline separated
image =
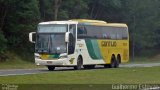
<point x="57" y="4"/>
<point x="3" y="15"/>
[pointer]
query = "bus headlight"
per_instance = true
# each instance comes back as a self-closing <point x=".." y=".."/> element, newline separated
<point x="37" y="56"/>
<point x="64" y="55"/>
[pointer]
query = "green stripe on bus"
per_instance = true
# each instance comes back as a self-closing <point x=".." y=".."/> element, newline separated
<point x="93" y="49"/>
<point x="54" y="56"/>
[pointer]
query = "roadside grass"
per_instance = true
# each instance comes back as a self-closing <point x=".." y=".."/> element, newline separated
<point x="137" y="75"/>
<point x="15" y="61"/>
<point x="18" y="64"/>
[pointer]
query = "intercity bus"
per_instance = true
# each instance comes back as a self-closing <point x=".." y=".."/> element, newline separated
<point x="80" y="43"/>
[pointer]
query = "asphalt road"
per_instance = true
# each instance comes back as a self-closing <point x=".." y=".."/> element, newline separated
<point x="12" y="72"/>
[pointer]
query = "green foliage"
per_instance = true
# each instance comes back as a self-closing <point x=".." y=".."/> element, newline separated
<point x="21" y="18"/>
<point x="66" y="10"/>
<point x="136" y="75"/>
<point x="3" y="43"/>
<point x="145" y="16"/>
<point x="46" y="10"/>
<point x="74" y="9"/>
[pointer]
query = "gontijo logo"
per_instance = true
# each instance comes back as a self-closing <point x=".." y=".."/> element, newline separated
<point x="109" y="43"/>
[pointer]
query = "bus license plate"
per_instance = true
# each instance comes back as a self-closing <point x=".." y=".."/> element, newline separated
<point x="49" y="62"/>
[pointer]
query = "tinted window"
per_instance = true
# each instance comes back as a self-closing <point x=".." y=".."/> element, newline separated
<point x="81" y="32"/>
<point x="124" y="33"/>
<point x="102" y="32"/>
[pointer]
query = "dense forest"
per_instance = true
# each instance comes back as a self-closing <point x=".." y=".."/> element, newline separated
<point x="19" y="17"/>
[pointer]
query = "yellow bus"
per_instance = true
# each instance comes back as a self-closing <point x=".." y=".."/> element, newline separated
<point x="81" y="43"/>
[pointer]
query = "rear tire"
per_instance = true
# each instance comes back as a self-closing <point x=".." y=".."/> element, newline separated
<point x="51" y="68"/>
<point x="79" y="64"/>
<point x="117" y="62"/>
<point x="113" y="62"/>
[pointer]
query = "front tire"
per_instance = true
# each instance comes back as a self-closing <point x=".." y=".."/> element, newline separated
<point x="79" y="64"/>
<point x="51" y="68"/>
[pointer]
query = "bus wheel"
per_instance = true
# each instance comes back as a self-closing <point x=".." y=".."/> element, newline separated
<point x="113" y="61"/>
<point x="79" y="63"/>
<point x="117" y="62"/>
<point x="51" y="68"/>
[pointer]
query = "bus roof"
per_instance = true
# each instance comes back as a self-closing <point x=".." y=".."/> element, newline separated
<point x="85" y="22"/>
<point x="98" y="23"/>
<point x="88" y="21"/>
<point x="58" y="22"/>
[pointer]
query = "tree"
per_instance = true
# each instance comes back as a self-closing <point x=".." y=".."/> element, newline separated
<point x="57" y="4"/>
<point x="62" y="10"/>
<point x="4" y="5"/>
<point x="72" y="9"/>
<point x="2" y="46"/>
<point x="3" y="9"/>
<point x="21" y="18"/>
<point x="46" y="8"/>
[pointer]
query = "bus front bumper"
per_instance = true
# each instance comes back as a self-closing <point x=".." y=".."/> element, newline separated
<point x="58" y="62"/>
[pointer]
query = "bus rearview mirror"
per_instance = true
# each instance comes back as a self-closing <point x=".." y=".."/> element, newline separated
<point x="31" y="37"/>
<point x="67" y="37"/>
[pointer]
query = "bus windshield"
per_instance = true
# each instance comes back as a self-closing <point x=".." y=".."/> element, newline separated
<point x="51" y="38"/>
<point x="51" y="43"/>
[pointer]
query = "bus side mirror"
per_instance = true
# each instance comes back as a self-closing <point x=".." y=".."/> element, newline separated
<point x="31" y="37"/>
<point x="67" y="37"/>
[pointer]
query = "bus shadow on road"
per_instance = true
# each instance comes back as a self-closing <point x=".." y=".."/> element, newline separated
<point x="72" y="69"/>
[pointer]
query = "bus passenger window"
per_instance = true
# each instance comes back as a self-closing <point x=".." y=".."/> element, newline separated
<point x="104" y="36"/>
<point x="124" y="34"/>
<point x="119" y="36"/>
<point x="108" y="36"/>
<point x="113" y="36"/>
<point x="81" y="30"/>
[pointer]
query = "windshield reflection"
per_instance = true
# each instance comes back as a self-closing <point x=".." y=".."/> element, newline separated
<point x="51" y="43"/>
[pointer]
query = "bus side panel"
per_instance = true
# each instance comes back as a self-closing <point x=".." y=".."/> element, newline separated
<point x="93" y="49"/>
<point x="89" y="52"/>
<point x="100" y="51"/>
<point x="109" y="47"/>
